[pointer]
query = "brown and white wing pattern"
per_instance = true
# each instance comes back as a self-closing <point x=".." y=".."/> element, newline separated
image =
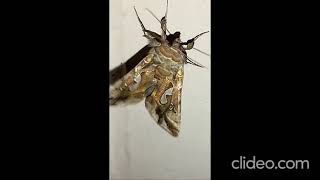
<point x="164" y="103"/>
<point x="155" y="74"/>
<point x="158" y="78"/>
<point x="135" y="85"/>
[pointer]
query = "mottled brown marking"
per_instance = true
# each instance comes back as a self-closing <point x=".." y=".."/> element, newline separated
<point x="161" y="68"/>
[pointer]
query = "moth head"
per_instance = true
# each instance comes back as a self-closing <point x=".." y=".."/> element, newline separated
<point x="174" y="39"/>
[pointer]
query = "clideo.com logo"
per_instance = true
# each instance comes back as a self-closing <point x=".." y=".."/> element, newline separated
<point x="246" y="163"/>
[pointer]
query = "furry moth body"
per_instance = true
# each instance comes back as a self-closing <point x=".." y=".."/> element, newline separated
<point x="156" y="76"/>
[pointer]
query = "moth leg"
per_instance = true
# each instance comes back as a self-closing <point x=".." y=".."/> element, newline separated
<point x="163" y="28"/>
<point x="164" y="24"/>
<point x="190" y="42"/>
<point x="150" y="35"/>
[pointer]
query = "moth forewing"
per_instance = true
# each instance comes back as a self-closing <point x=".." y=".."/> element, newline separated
<point x="155" y="77"/>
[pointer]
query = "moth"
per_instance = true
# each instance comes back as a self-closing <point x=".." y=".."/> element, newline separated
<point x="155" y="74"/>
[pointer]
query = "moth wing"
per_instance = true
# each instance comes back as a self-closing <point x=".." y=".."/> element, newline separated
<point x="131" y="87"/>
<point x="164" y="103"/>
<point x="118" y="72"/>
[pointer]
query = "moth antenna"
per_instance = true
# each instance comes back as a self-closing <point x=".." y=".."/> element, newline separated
<point x="164" y="24"/>
<point x="196" y="37"/>
<point x="153" y="14"/>
<point x="167" y="9"/>
<point x="201" y="51"/>
<point x="142" y="26"/>
<point x="170" y="32"/>
<point x="155" y="17"/>
<point x="193" y="62"/>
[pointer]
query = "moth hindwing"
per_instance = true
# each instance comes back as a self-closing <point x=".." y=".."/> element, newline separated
<point x="155" y="74"/>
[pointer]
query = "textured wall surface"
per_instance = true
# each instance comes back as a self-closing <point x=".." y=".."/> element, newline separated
<point x="139" y="148"/>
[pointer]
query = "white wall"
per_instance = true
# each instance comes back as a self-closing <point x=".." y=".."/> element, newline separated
<point x="139" y="148"/>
